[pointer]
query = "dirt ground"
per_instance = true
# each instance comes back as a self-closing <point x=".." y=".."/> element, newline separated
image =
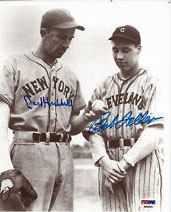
<point x="86" y="198"/>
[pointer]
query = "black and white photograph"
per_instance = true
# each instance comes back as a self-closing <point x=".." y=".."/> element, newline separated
<point x="85" y="102"/>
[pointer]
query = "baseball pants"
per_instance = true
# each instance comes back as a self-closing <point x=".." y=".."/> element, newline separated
<point x="49" y="169"/>
<point x="142" y="182"/>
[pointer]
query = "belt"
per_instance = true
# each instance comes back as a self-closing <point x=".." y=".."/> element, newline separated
<point x="121" y="142"/>
<point x="37" y="137"/>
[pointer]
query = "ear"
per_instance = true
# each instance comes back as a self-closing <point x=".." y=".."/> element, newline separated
<point x="139" y="49"/>
<point x="43" y="32"/>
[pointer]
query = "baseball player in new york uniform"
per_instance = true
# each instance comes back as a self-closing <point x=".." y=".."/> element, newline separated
<point x="126" y="141"/>
<point x="40" y="100"/>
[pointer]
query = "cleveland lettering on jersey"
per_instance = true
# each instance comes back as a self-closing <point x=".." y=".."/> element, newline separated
<point x="34" y="87"/>
<point x="126" y="98"/>
<point x="45" y="101"/>
<point x="128" y="120"/>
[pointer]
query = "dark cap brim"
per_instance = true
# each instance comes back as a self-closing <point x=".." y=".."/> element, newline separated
<point x="121" y="36"/>
<point x="69" y="25"/>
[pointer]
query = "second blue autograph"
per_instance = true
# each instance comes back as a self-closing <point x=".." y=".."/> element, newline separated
<point x="128" y="120"/>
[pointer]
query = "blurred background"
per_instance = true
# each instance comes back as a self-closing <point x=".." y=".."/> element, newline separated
<point x="90" y="57"/>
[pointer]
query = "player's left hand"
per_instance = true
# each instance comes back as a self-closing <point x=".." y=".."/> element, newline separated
<point x="94" y="110"/>
<point x="113" y="172"/>
<point x="110" y="181"/>
<point x="111" y="169"/>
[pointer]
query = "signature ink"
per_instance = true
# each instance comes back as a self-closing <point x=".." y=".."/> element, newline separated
<point x="128" y="120"/>
<point x="45" y="102"/>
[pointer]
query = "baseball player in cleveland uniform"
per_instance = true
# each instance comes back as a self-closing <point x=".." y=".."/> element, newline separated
<point x="40" y="100"/>
<point x="126" y="141"/>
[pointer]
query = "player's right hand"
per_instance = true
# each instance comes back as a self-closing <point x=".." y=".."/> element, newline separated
<point x="94" y="110"/>
<point x="112" y="170"/>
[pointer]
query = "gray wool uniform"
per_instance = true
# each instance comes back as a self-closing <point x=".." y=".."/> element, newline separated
<point x="143" y="180"/>
<point x="42" y="99"/>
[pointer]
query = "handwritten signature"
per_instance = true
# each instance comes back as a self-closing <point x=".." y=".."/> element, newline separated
<point x="128" y="120"/>
<point x="45" y="102"/>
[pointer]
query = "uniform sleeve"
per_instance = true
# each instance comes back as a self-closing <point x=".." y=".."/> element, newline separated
<point x="154" y="103"/>
<point x="97" y="148"/>
<point x="95" y="96"/>
<point x="7" y="81"/>
<point x="96" y="140"/>
<point x="79" y="102"/>
<point x="151" y="137"/>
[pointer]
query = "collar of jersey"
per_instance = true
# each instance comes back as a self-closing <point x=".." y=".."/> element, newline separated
<point x="41" y="62"/>
<point x="141" y="71"/>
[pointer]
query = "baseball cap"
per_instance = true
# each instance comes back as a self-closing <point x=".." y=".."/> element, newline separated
<point x="128" y="32"/>
<point x="59" y="19"/>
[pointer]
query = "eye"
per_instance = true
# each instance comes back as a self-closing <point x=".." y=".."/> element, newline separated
<point x="62" y="37"/>
<point x="126" y="50"/>
<point x="65" y="38"/>
<point x="114" y="50"/>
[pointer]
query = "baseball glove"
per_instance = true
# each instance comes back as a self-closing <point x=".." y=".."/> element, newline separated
<point x="20" y="195"/>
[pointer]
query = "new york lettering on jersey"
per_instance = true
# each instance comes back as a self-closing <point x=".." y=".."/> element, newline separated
<point x="34" y="87"/>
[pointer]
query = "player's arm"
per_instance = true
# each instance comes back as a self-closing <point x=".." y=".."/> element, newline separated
<point x="147" y="142"/>
<point x="97" y="147"/>
<point x="152" y="134"/>
<point x="98" y="150"/>
<point x="5" y="160"/>
<point x="78" y="123"/>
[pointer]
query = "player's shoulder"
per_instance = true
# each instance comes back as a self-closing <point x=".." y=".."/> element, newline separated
<point x="147" y="77"/>
<point x="13" y="59"/>
<point x="105" y="81"/>
<point x="103" y="85"/>
<point x="8" y="59"/>
<point x="10" y="62"/>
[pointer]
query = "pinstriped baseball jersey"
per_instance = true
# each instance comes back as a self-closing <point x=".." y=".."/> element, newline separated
<point x="143" y="181"/>
<point x="25" y="80"/>
<point x="136" y="94"/>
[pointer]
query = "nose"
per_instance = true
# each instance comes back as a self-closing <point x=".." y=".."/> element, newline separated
<point x="120" y="55"/>
<point x="66" y="43"/>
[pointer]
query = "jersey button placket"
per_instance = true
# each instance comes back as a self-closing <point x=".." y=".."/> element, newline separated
<point x="52" y="107"/>
<point x="53" y="99"/>
<point x="51" y="122"/>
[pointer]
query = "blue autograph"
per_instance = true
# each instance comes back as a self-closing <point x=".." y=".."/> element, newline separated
<point x="45" y="101"/>
<point x="128" y="120"/>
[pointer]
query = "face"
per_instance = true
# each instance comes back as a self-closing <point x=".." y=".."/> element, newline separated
<point x="56" y="41"/>
<point x="126" y="55"/>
